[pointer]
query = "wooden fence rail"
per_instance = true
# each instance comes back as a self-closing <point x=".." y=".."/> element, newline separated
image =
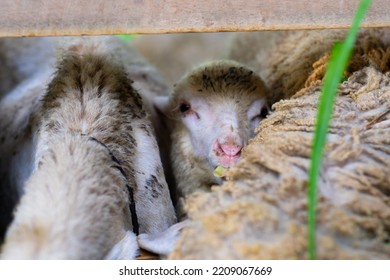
<point x="76" y="17"/>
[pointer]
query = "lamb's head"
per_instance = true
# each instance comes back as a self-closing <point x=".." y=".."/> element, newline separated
<point x="218" y="105"/>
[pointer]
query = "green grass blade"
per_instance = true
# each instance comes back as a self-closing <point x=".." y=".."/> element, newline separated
<point x="127" y="37"/>
<point x="338" y="62"/>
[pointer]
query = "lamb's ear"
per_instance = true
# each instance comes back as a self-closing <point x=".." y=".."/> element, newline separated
<point x="161" y="103"/>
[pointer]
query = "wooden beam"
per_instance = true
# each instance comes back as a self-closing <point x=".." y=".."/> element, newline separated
<point x="77" y="17"/>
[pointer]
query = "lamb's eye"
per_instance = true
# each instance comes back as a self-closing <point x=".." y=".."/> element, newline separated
<point x="184" y="107"/>
<point x="263" y="113"/>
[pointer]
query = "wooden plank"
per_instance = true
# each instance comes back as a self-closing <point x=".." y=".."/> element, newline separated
<point x="76" y="17"/>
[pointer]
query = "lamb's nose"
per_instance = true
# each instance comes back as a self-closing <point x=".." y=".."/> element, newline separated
<point x="231" y="150"/>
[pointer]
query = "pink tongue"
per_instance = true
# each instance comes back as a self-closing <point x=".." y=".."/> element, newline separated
<point x="230" y="150"/>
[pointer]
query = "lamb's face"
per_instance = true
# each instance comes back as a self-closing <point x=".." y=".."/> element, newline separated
<point x="220" y="126"/>
<point x="219" y="105"/>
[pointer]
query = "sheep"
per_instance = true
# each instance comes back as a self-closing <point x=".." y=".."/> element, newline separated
<point x="92" y="133"/>
<point x="212" y="114"/>
<point x="173" y="55"/>
<point x="260" y="212"/>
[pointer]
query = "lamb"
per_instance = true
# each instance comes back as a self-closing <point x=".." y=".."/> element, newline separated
<point x="92" y="134"/>
<point x="212" y="114"/>
<point x="260" y="212"/>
